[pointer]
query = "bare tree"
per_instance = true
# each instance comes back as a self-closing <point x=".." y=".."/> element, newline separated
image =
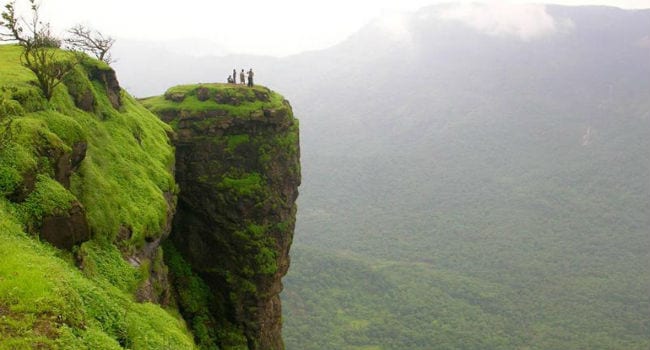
<point x="90" y="41"/>
<point x="38" y="34"/>
<point x="40" y="47"/>
<point x="11" y="23"/>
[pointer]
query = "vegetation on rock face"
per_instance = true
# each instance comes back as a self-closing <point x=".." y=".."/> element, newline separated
<point x="93" y="148"/>
<point x="237" y="164"/>
<point x="46" y="302"/>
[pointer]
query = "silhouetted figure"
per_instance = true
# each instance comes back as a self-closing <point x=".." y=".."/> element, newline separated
<point x="242" y="77"/>
<point x="229" y="79"/>
<point x="250" y="77"/>
<point x="234" y="76"/>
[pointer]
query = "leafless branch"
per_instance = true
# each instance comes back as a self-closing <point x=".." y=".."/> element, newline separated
<point x="90" y="41"/>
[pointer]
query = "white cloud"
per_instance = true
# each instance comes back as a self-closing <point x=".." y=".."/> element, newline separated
<point x="282" y="27"/>
<point x="395" y="25"/>
<point x="526" y="21"/>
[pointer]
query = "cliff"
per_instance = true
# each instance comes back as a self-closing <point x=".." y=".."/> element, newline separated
<point x="87" y="204"/>
<point x="237" y="164"/>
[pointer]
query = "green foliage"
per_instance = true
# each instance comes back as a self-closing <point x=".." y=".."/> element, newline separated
<point x="236" y="140"/>
<point x="41" y="53"/>
<point x="24" y="143"/>
<point x="348" y="303"/>
<point x="250" y="184"/>
<point x="66" y="128"/>
<point x="246" y="131"/>
<point x="49" y="198"/>
<point x="27" y="97"/>
<point x="78" y="85"/>
<point x="49" y="69"/>
<point x="235" y="101"/>
<point x="265" y="260"/>
<point x="102" y="260"/>
<point x="45" y="300"/>
<point x="480" y="182"/>
<point x="10" y="179"/>
<point x="14" y="159"/>
<point x="196" y="302"/>
<point x="9" y="107"/>
<point x="129" y="157"/>
<point x="288" y="141"/>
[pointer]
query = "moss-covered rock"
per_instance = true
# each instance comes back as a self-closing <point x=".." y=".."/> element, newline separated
<point x="237" y="164"/>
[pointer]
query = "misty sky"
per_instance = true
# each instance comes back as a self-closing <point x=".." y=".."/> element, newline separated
<point x="279" y="27"/>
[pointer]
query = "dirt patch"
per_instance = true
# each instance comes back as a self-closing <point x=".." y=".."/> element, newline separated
<point x="46" y="326"/>
<point x="4" y="310"/>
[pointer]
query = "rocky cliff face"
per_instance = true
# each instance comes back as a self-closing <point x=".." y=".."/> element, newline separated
<point x="237" y="164"/>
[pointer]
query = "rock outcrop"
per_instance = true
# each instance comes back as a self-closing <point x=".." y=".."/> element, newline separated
<point x="237" y="165"/>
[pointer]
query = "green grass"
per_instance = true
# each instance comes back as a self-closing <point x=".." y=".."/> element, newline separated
<point x="45" y="300"/>
<point x="49" y="198"/>
<point x="236" y="140"/>
<point x="249" y="184"/>
<point x="127" y="167"/>
<point x="248" y="102"/>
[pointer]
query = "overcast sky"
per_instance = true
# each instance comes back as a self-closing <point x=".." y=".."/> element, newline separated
<point x="269" y="27"/>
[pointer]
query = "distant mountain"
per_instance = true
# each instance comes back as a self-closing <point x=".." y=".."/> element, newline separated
<point x="520" y="162"/>
<point x="483" y="173"/>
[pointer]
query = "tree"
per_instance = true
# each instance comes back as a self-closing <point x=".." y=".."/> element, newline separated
<point x="10" y="22"/>
<point x="40" y="47"/>
<point x="90" y="41"/>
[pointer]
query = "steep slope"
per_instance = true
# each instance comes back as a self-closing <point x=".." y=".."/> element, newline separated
<point x="90" y="172"/>
<point x="237" y="163"/>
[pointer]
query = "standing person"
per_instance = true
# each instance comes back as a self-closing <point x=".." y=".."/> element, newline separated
<point x="242" y="77"/>
<point x="250" y="77"/>
<point x="234" y="76"/>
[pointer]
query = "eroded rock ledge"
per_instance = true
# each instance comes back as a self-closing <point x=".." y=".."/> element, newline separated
<point x="237" y="165"/>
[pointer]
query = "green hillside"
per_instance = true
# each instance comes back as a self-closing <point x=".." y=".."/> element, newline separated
<point x="84" y="298"/>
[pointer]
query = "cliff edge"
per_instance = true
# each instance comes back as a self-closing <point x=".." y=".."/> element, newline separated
<point x="237" y="164"/>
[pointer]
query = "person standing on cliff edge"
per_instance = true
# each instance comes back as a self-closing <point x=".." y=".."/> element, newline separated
<point x="250" y="77"/>
<point x="242" y="77"/>
<point x="234" y="76"/>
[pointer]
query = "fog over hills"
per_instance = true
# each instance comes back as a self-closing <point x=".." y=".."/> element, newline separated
<point x="474" y="177"/>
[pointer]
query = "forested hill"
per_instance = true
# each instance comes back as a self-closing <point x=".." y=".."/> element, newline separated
<point x="486" y="191"/>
